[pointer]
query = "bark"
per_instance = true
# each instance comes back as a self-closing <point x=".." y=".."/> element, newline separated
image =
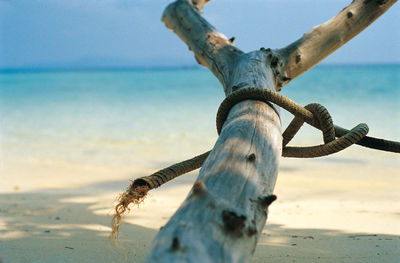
<point x="211" y="48"/>
<point x="322" y="40"/>
<point x="224" y="214"/>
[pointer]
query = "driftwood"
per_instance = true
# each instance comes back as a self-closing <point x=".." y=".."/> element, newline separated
<point x="225" y="212"/>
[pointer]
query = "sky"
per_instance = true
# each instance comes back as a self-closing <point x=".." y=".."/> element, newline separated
<point x="129" y="33"/>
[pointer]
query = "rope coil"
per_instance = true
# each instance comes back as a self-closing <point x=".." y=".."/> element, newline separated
<point x="314" y="114"/>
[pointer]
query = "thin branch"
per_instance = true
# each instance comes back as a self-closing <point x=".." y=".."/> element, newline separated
<point x="211" y="48"/>
<point x="324" y="39"/>
<point x="199" y="3"/>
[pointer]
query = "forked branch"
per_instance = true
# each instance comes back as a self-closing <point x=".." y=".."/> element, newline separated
<point x="324" y="39"/>
<point x="223" y="216"/>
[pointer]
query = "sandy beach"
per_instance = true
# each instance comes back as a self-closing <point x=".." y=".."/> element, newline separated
<point x="70" y="142"/>
<point x="333" y="209"/>
<point x="94" y="94"/>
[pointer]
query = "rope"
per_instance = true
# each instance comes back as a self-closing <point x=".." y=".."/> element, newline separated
<point x="314" y="114"/>
<point x="158" y="178"/>
<point x="297" y="111"/>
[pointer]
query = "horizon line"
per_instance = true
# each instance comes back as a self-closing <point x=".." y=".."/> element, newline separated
<point x="177" y="67"/>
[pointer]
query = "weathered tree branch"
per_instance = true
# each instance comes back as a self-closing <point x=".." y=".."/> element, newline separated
<point x="224" y="214"/>
<point x="324" y="39"/>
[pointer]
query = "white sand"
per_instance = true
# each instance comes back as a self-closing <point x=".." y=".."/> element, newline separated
<point x="336" y="209"/>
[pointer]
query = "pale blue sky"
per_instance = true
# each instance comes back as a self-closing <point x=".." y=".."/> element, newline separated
<point x="122" y="33"/>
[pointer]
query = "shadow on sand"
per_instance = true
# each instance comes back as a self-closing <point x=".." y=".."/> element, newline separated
<point x="72" y="225"/>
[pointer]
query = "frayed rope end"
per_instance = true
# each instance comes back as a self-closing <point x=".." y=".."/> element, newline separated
<point x="135" y="194"/>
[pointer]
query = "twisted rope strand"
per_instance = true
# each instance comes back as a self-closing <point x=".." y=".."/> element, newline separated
<point x="162" y="176"/>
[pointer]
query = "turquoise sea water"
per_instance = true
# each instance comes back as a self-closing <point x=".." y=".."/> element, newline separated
<point x="124" y="117"/>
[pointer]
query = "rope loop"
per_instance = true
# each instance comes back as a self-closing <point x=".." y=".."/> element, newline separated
<point x="322" y="119"/>
<point x="314" y="114"/>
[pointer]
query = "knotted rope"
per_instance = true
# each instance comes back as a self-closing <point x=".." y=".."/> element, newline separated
<point x="314" y="114"/>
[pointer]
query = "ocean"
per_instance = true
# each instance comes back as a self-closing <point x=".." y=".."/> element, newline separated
<point x="151" y="118"/>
